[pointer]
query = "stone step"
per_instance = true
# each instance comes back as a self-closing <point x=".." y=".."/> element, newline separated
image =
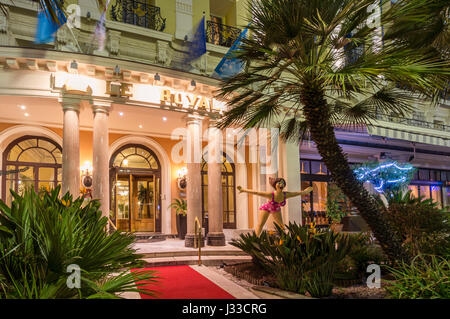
<point x="193" y="260"/>
<point x="194" y="252"/>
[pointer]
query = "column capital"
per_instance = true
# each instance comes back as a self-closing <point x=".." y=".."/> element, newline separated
<point x="101" y="106"/>
<point x="212" y="123"/>
<point x="194" y="119"/>
<point x="70" y="102"/>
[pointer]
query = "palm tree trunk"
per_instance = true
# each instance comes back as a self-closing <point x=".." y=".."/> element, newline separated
<point x="317" y="115"/>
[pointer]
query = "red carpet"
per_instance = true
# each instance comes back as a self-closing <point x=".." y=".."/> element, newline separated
<point x="183" y="282"/>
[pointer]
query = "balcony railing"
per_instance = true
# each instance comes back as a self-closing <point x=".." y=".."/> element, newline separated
<point x="221" y="34"/>
<point x="138" y="13"/>
<point x="413" y="122"/>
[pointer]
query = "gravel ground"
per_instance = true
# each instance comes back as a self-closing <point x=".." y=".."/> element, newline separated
<point x="358" y="292"/>
<point x="352" y="292"/>
<point x="240" y="282"/>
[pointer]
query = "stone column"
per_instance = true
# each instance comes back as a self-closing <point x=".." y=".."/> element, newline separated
<point x="100" y="185"/>
<point x="194" y="183"/>
<point x="289" y="159"/>
<point x="71" y="146"/>
<point x="216" y="236"/>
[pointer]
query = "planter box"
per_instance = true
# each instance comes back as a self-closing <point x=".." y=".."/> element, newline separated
<point x="336" y="227"/>
<point x="354" y="223"/>
<point x="181" y="226"/>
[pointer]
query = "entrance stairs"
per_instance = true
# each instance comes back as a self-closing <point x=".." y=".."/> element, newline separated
<point x="172" y="252"/>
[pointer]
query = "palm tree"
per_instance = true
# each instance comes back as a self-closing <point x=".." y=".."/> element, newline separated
<point x="303" y="72"/>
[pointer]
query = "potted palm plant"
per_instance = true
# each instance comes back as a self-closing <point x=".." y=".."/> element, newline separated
<point x="335" y="211"/>
<point x="180" y="206"/>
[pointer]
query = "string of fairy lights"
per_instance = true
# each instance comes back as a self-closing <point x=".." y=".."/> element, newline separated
<point x="385" y="176"/>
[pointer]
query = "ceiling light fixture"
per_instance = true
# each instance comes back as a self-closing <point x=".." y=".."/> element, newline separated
<point x="164" y="118"/>
<point x="121" y="113"/>
<point x="26" y="114"/>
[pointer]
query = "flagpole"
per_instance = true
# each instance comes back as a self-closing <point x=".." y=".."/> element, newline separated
<point x="75" y="39"/>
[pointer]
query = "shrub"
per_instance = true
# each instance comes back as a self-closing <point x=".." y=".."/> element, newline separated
<point x="335" y="204"/>
<point x="41" y="234"/>
<point x="426" y="277"/>
<point x="365" y="252"/>
<point x="300" y="259"/>
<point x="423" y="227"/>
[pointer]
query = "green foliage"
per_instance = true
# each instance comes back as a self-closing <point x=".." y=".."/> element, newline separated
<point x="301" y="259"/>
<point x="363" y="252"/>
<point x="180" y="206"/>
<point x="294" y="78"/>
<point x="42" y="234"/>
<point x="426" y="277"/>
<point x="423" y="227"/>
<point x="335" y="200"/>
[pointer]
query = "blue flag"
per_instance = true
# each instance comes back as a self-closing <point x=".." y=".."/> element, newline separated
<point x="46" y="28"/>
<point x="197" y="47"/>
<point x="230" y="65"/>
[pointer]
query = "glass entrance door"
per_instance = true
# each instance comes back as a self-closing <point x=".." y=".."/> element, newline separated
<point x="137" y="203"/>
<point x="143" y="204"/>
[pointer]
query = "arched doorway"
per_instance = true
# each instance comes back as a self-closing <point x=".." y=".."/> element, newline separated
<point x="31" y="162"/>
<point x="135" y="184"/>
<point x="228" y="192"/>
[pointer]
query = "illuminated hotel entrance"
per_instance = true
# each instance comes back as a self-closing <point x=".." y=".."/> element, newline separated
<point x="135" y="175"/>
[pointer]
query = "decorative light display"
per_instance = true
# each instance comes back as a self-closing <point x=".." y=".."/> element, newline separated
<point x="386" y="176"/>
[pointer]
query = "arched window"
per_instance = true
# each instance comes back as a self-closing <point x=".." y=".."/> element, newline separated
<point x="135" y="181"/>
<point x="135" y="157"/>
<point x="33" y="162"/>
<point x="228" y="192"/>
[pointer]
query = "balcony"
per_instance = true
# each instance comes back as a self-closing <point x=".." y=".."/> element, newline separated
<point x="221" y="34"/>
<point x="413" y="122"/>
<point x="138" y="13"/>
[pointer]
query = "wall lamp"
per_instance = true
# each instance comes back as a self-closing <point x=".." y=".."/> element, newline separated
<point x="157" y="79"/>
<point x="86" y="174"/>
<point x="181" y="180"/>
<point x="73" y="67"/>
<point x="192" y="85"/>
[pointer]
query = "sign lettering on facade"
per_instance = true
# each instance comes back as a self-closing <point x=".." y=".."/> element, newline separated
<point x="187" y="100"/>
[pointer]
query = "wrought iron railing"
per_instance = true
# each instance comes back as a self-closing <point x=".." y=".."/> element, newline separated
<point x="413" y="122"/>
<point x="394" y="119"/>
<point x="138" y="13"/>
<point x="221" y="34"/>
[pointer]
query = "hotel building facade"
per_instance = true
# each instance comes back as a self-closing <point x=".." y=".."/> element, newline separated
<point x="114" y="121"/>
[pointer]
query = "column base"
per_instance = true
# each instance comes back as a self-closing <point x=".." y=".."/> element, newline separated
<point x="216" y="239"/>
<point x="189" y="240"/>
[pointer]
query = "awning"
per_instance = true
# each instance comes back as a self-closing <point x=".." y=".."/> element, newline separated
<point x="424" y="137"/>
